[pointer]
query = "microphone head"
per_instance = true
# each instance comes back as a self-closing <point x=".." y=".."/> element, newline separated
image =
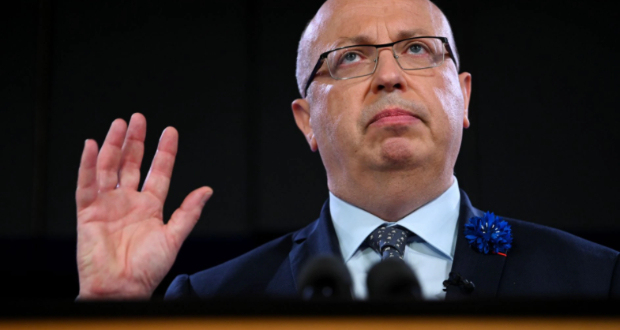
<point x="325" y="278"/>
<point x="392" y="279"/>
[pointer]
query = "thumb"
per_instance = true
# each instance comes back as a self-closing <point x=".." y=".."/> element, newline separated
<point x="186" y="216"/>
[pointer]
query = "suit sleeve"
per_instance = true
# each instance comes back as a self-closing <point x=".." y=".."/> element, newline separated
<point x="180" y="288"/>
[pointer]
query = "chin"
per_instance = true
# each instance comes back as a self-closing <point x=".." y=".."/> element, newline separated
<point x="398" y="154"/>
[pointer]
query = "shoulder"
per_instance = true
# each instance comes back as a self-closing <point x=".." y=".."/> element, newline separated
<point x="258" y="272"/>
<point x="268" y="270"/>
<point x="536" y="241"/>
<point x="555" y="261"/>
<point x="532" y="237"/>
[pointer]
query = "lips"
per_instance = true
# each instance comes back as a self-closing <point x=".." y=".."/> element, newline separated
<point x="393" y="116"/>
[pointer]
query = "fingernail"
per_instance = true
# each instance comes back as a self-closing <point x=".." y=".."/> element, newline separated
<point x="206" y="197"/>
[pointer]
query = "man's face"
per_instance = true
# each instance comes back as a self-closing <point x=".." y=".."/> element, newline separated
<point x="393" y="120"/>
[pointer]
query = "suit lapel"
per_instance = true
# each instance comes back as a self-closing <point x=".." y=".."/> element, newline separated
<point x="484" y="270"/>
<point x="317" y="239"/>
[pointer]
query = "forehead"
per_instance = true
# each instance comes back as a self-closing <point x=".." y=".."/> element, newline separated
<point x="351" y="21"/>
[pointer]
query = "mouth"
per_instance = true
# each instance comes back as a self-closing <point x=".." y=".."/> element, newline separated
<point x="393" y="116"/>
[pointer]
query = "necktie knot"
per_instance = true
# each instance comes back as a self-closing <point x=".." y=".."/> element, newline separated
<point x="389" y="242"/>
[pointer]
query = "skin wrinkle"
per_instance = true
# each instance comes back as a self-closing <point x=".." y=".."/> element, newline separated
<point x="387" y="170"/>
<point x="391" y="100"/>
<point x="449" y="102"/>
<point x="321" y="113"/>
<point x="308" y="51"/>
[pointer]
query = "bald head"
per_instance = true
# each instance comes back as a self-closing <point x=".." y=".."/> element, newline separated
<point x="325" y="28"/>
<point x="388" y="140"/>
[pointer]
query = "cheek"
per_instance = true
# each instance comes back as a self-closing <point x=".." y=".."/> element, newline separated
<point x="449" y="98"/>
<point x="332" y="117"/>
<point x="322" y="120"/>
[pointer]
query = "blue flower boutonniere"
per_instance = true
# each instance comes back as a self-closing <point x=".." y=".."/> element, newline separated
<point x="489" y="234"/>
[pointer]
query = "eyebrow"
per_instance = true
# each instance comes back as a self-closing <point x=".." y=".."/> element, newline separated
<point x="363" y="39"/>
<point x="412" y="33"/>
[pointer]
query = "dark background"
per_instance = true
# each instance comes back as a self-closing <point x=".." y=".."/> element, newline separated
<point x="541" y="146"/>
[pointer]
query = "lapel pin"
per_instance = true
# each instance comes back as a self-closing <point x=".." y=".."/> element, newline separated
<point x="489" y="234"/>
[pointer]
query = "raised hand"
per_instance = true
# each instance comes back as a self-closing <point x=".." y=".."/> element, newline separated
<point x="124" y="249"/>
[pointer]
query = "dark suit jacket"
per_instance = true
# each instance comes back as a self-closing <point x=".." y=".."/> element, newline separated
<point x="543" y="262"/>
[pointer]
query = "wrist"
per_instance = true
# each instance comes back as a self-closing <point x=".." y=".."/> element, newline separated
<point x="115" y="294"/>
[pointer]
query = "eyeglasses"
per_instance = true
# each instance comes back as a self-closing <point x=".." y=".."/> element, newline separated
<point x="361" y="60"/>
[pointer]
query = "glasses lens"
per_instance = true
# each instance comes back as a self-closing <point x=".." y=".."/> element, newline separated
<point x="352" y="62"/>
<point x="419" y="53"/>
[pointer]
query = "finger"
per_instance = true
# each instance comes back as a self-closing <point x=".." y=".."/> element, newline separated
<point x="132" y="152"/>
<point x="109" y="157"/>
<point x="158" y="180"/>
<point x="185" y="217"/>
<point x="86" y="191"/>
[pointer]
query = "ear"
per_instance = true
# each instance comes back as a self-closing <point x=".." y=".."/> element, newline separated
<point x="465" y="81"/>
<point x="301" y="112"/>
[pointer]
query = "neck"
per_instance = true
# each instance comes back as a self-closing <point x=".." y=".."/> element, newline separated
<point x="391" y="195"/>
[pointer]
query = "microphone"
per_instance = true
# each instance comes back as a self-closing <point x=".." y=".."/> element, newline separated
<point x="325" y="278"/>
<point x="459" y="281"/>
<point x="392" y="279"/>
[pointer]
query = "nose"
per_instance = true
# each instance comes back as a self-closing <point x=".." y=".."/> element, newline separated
<point x="388" y="76"/>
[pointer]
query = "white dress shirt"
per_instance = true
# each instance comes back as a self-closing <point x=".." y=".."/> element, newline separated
<point x="429" y="252"/>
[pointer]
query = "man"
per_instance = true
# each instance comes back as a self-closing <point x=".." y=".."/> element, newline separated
<point x="385" y="106"/>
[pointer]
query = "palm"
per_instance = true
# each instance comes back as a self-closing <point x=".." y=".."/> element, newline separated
<point x="119" y="233"/>
<point x="124" y="247"/>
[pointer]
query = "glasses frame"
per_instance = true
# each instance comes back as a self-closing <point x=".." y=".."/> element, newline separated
<point x="323" y="56"/>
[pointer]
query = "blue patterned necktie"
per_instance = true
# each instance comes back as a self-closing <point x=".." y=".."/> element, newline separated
<point x="389" y="242"/>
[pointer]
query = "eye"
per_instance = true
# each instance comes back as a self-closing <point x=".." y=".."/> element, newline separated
<point x="417" y="48"/>
<point x="349" y="57"/>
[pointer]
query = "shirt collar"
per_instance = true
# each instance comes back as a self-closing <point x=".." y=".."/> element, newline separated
<point x="435" y="222"/>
